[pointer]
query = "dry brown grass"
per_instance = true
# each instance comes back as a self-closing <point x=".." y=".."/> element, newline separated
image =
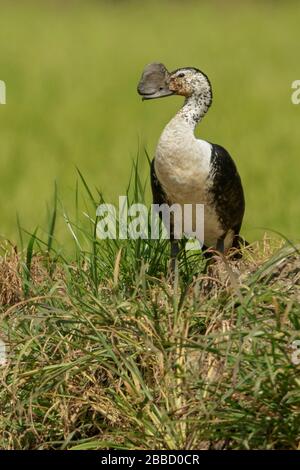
<point x="10" y="279"/>
<point x="154" y="366"/>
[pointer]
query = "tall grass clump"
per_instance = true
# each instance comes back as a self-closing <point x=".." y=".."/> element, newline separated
<point x="106" y="350"/>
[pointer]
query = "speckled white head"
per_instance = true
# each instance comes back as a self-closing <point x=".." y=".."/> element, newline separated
<point x="190" y="81"/>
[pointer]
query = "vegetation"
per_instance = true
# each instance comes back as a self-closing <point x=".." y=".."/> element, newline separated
<point x="106" y="351"/>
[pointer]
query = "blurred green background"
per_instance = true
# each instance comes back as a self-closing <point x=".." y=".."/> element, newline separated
<point x="71" y="70"/>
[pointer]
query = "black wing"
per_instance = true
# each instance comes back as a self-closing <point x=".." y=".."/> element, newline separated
<point x="227" y="190"/>
<point x="159" y="196"/>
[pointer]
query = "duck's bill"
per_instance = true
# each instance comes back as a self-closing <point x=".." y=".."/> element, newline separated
<point x="156" y="94"/>
<point x="154" y="82"/>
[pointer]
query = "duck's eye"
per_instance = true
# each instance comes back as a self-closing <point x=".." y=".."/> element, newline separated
<point x="180" y="75"/>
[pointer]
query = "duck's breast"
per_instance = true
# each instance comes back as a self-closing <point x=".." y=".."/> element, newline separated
<point x="183" y="169"/>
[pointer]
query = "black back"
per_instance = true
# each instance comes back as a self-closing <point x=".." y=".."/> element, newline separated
<point x="159" y="196"/>
<point x="227" y="190"/>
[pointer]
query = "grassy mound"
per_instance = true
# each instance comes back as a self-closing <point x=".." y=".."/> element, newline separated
<point x="105" y="352"/>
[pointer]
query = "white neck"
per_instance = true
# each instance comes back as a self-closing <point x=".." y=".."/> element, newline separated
<point x="178" y="142"/>
<point x="194" y="108"/>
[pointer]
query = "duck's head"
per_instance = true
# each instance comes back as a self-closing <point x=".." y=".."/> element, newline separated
<point x="157" y="82"/>
<point x="189" y="81"/>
